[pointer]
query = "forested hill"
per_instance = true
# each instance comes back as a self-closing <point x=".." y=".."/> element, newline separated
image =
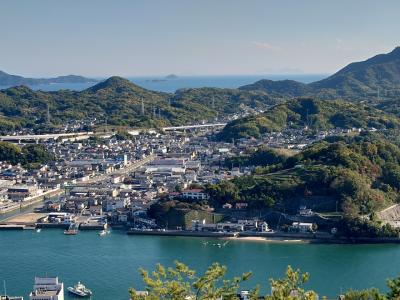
<point x="355" y="176"/>
<point x="313" y="113"/>
<point x="14" y="80"/>
<point x="376" y="78"/>
<point x="118" y="101"/>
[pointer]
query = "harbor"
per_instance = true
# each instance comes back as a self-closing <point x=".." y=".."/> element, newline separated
<point x="72" y="224"/>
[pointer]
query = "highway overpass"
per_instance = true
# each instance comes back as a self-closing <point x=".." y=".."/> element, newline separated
<point x="43" y="137"/>
<point x="82" y="135"/>
<point x="198" y="126"/>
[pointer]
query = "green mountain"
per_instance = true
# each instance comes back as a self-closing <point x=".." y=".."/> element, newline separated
<point x="354" y="176"/>
<point x="118" y="101"/>
<point x="288" y="88"/>
<point x="381" y="72"/>
<point x="15" y="80"/>
<point x="313" y="113"/>
<point x="377" y="77"/>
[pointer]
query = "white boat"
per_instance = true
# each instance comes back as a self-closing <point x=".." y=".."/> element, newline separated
<point x="102" y="233"/>
<point x="38" y="230"/>
<point x="80" y="290"/>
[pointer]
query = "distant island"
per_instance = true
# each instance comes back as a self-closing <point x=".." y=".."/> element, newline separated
<point x="166" y="78"/>
<point x="171" y="76"/>
<point x="14" y="80"/>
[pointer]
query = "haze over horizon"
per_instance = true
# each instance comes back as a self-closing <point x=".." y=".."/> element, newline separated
<point x="99" y="39"/>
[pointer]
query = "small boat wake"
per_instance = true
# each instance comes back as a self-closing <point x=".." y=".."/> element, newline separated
<point x="219" y="245"/>
<point x="104" y="232"/>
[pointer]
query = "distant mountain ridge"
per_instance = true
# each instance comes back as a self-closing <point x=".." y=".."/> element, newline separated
<point x="378" y="76"/>
<point x="117" y="101"/>
<point x="15" y="80"/>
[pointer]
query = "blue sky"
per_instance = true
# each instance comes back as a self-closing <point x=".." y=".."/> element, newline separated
<point x="187" y="37"/>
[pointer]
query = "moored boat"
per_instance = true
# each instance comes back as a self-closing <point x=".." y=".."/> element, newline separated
<point x="80" y="290"/>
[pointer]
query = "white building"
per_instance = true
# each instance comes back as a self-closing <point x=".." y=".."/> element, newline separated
<point x="117" y="203"/>
<point x="201" y="225"/>
<point x="194" y="194"/>
<point x="302" y="227"/>
<point x="47" y="289"/>
<point x="304" y="211"/>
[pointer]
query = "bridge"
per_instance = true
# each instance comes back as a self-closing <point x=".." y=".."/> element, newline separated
<point x="44" y="137"/>
<point x="197" y="126"/>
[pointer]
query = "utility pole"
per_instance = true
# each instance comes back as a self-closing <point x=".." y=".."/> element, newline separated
<point x="307" y="120"/>
<point x="48" y="114"/>
<point x="379" y="88"/>
<point x="142" y="110"/>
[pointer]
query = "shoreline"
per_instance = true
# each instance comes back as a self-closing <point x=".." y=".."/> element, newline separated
<point x="27" y="218"/>
<point x="275" y="237"/>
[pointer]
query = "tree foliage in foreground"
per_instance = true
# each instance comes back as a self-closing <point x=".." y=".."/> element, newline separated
<point x="182" y="283"/>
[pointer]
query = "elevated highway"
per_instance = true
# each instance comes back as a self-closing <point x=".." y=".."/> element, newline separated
<point x="43" y="137"/>
<point x="82" y="135"/>
<point x="196" y="126"/>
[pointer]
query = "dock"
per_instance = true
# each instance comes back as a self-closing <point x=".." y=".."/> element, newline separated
<point x="21" y="222"/>
<point x="13" y="227"/>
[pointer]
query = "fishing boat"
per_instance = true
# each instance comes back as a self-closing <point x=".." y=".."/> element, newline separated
<point x="72" y="229"/>
<point x="80" y="290"/>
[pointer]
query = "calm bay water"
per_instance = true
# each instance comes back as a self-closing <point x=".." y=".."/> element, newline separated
<point x="109" y="264"/>
<point x="159" y="84"/>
